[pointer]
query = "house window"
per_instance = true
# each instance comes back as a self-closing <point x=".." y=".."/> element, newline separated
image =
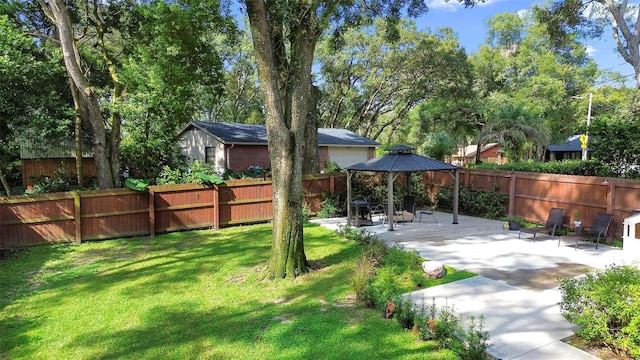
<point x="209" y="155"/>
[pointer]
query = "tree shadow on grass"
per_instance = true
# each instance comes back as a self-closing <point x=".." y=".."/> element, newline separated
<point x="248" y="332"/>
<point x="272" y="319"/>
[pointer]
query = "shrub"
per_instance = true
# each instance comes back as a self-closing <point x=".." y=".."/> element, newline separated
<point x="402" y="260"/>
<point x="488" y="204"/>
<point x="332" y="206"/>
<point x="606" y="304"/>
<point x="331" y="167"/>
<point x="445" y="327"/>
<point x="195" y="172"/>
<point x="361" y="280"/>
<point x="564" y="167"/>
<point x="404" y="312"/>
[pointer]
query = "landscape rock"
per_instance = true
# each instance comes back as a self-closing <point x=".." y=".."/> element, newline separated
<point x="434" y="269"/>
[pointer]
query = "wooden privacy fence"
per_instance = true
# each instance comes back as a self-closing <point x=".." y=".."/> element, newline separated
<point x="531" y="195"/>
<point x="107" y="214"/>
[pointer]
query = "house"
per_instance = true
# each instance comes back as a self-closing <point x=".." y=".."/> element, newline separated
<point x="241" y="146"/>
<point x="490" y="153"/>
<point x="568" y="150"/>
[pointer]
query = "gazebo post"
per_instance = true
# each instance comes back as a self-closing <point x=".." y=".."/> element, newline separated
<point x="390" y="205"/>
<point x="456" y="191"/>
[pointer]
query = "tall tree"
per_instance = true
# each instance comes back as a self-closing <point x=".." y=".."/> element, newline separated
<point x="590" y="18"/>
<point x="374" y="82"/>
<point x="105" y="145"/>
<point x="519" y="67"/>
<point x="240" y="101"/>
<point x="32" y="101"/>
<point x="171" y="63"/>
<point x="285" y="34"/>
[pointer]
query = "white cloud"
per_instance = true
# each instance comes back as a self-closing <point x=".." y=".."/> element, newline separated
<point x="453" y="5"/>
<point x="591" y="50"/>
<point x="443" y="5"/>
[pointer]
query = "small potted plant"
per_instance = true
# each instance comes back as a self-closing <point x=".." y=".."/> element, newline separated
<point x="513" y="222"/>
<point x="577" y="222"/>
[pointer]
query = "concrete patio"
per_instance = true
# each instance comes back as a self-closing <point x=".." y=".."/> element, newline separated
<point x="517" y="290"/>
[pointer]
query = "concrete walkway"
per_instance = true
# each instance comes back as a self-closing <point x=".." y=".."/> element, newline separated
<point x="517" y="291"/>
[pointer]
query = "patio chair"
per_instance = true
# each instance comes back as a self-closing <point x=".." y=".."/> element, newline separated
<point x="409" y="205"/>
<point x="599" y="228"/>
<point x="427" y="211"/>
<point x="554" y="222"/>
<point x="395" y="215"/>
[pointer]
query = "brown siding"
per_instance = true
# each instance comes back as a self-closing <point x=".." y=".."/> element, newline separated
<point x="243" y="156"/>
<point x="35" y="168"/>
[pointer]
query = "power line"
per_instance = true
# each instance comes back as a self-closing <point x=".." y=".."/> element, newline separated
<point x="613" y="67"/>
<point x="612" y="80"/>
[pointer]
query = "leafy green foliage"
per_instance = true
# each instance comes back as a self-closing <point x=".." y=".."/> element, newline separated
<point x="332" y="205"/>
<point x="331" y="167"/>
<point x="565" y="167"/>
<point x="606" y="305"/>
<point x="372" y="83"/>
<point x="149" y="159"/>
<point x="33" y="105"/>
<point x="61" y="181"/>
<point x="187" y="174"/>
<point x="490" y="204"/>
<point x="617" y="145"/>
<point x="439" y="145"/>
<point x="514" y="128"/>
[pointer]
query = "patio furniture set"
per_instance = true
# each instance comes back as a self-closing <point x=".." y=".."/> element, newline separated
<point x="365" y="212"/>
<point x="598" y="229"/>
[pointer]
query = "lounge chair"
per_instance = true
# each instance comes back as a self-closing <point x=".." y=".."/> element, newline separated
<point x="599" y="228"/>
<point x="554" y="223"/>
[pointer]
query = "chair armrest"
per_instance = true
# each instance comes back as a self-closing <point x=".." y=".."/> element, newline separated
<point x="582" y="228"/>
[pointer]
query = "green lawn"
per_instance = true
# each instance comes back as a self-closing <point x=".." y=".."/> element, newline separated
<point x="199" y="294"/>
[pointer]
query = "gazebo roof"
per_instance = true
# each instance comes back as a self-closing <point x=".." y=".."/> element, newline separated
<point x="402" y="158"/>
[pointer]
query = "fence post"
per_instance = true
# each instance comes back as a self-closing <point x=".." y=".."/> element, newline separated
<point x="611" y="196"/>
<point x="77" y="213"/>
<point x="216" y="207"/>
<point x="152" y="214"/>
<point x="512" y="194"/>
<point x="332" y="184"/>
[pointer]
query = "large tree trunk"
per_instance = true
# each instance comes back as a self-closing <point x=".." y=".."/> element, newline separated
<point x="78" y="135"/>
<point x="286" y="88"/>
<point x="87" y="97"/>
<point x="5" y="183"/>
<point x="311" y="163"/>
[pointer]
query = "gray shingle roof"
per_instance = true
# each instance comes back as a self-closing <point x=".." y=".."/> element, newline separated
<point x="233" y="133"/>
<point x="402" y="161"/>
<point x="572" y="144"/>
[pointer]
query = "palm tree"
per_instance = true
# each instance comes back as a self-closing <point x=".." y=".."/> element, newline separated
<point x="517" y="129"/>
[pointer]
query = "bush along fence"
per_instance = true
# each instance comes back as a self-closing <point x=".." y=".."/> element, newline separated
<point x="531" y="195"/>
<point x="107" y="214"/>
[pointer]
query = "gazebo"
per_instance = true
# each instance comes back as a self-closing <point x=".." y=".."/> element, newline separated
<point x="399" y="159"/>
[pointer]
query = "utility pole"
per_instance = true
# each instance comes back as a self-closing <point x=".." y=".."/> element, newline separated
<point x="584" y="139"/>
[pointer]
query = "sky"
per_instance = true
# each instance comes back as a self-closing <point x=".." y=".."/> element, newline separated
<point x="470" y="26"/>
